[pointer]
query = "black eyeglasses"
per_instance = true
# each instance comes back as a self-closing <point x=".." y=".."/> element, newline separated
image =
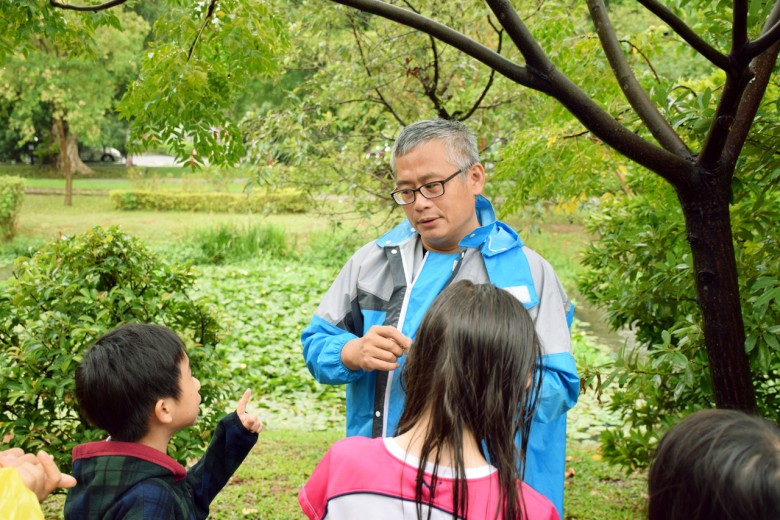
<point x="429" y="190"/>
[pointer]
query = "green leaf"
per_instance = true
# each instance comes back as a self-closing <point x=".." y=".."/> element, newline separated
<point x="772" y="341"/>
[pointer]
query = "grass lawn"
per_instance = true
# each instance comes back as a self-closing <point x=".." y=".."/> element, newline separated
<point x="120" y="177"/>
<point x="163" y="184"/>
<point x="44" y="217"/>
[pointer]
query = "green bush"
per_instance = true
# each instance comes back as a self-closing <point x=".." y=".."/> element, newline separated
<point x="233" y="243"/>
<point x="59" y="301"/>
<point x="11" y="196"/>
<point x="640" y="270"/>
<point x="332" y="248"/>
<point x="21" y="245"/>
<point x="258" y="201"/>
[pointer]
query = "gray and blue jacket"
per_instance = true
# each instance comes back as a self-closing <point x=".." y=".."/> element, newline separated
<point x="392" y="282"/>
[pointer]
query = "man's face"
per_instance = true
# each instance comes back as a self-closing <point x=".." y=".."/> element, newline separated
<point x="441" y="222"/>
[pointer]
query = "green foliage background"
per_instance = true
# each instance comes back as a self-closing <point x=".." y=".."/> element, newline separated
<point x="46" y="80"/>
<point x="258" y="201"/>
<point x="639" y="269"/>
<point x="62" y="299"/>
<point x="11" y="196"/>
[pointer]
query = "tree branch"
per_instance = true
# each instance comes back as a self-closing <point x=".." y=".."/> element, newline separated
<point x="547" y="80"/>
<point x="436" y="71"/>
<point x="209" y="14"/>
<point x="738" y="105"/>
<point x="739" y="15"/>
<point x="723" y="120"/>
<point x="500" y="103"/>
<point x="430" y="91"/>
<point x="92" y="8"/>
<point x="474" y="49"/>
<point x="648" y="113"/>
<point x="715" y="57"/>
<point x="535" y="58"/>
<point x="489" y="83"/>
<point x="382" y="98"/>
<point x="762" y="67"/>
<point x="429" y="86"/>
<point x="769" y="36"/>
<point x="644" y="57"/>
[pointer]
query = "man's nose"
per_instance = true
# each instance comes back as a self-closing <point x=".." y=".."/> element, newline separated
<point x="421" y="202"/>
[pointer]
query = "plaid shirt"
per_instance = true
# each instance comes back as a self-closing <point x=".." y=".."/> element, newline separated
<point x="125" y="480"/>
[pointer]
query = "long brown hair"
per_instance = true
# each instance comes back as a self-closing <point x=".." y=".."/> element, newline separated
<point x="475" y="366"/>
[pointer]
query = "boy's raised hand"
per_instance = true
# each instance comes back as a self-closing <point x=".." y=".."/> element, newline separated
<point x="250" y="422"/>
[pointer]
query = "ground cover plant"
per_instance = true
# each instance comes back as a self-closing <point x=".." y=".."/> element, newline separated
<point x="263" y="306"/>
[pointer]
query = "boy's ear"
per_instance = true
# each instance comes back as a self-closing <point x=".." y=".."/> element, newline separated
<point x="163" y="411"/>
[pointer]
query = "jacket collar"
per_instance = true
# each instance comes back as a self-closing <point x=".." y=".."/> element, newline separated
<point x="504" y="239"/>
<point x="129" y="449"/>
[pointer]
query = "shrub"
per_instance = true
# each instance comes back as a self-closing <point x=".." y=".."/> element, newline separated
<point x="332" y="248"/>
<point x="64" y="297"/>
<point x="21" y="246"/>
<point x="232" y="243"/>
<point x="258" y="201"/>
<point x="11" y="196"/>
<point x="640" y="271"/>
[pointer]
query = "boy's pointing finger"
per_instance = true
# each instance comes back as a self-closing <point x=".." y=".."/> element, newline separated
<point x="241" y="409"/>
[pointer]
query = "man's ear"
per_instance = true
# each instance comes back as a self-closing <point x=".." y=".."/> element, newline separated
<point x="476" y="176"/>
<point x="163" y="411"/>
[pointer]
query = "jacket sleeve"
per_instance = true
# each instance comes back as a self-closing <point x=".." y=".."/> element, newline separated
<point x="552" y="318"/>
<point x="338" y="319"/>
<point x="546" y="458"/>
<point x="229" y="447"/>
<point x="322" y="344"/>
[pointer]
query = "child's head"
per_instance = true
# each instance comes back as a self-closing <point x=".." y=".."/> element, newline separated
<point x="127" y="372"/>
<point x="472" y="369"/>
<point x="473" y="361"/>
<point x="717" y="464"/>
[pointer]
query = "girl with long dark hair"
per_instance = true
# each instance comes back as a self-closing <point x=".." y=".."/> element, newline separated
<point x="470" y="390"/>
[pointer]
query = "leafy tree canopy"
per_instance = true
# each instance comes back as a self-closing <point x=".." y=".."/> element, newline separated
<point x="77" y="85"/>
<point x="202" y="58"/>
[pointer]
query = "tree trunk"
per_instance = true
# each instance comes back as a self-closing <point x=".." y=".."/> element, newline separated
<point x="708" y="226"/>
<point x="68" y="161"/>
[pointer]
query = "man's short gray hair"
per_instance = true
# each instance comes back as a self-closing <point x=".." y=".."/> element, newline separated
<point x="459" y="143"/>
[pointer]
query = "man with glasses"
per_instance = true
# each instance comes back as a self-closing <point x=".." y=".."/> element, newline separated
<point x="368" y="318"/>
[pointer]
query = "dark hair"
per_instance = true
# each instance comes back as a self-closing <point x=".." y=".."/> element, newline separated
<point x="722" y="464"/>
<point x="473" y="366"/>
<point x="124" y="374"/>
<point x="459" y="142"/>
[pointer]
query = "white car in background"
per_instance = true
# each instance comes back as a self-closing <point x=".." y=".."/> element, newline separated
<point x="105" y="154"/>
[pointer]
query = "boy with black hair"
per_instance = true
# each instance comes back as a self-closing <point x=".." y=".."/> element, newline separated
<point x="135" y="382"/>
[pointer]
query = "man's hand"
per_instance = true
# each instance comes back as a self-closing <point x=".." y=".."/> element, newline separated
<point x="40" y="473"/>
<point x="250" y="422"/>
<point x="379" y="349"/>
